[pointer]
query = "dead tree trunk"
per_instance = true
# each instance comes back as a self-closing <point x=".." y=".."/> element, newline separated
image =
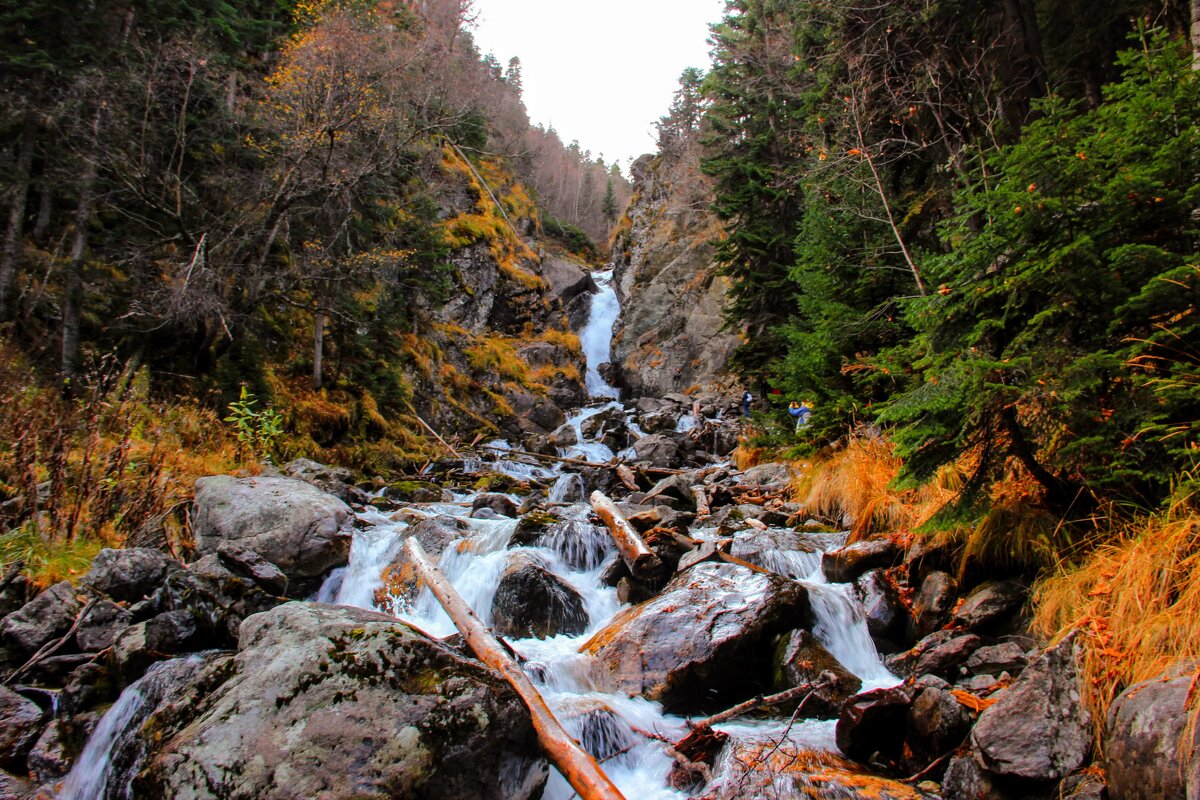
<point x="16" y="216"/>
<point x="73" y="280"/>
<point x="579" y="768"/>
<point x="643" y="563"/>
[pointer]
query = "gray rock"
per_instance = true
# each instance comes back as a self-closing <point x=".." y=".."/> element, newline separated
<point x="875" y="723"/>
<point x="337" y="481"/>
<point x="992" y="660"/>
<point x="49" y="760"/>
<point x="14" y="788"/>
<point x="704" y="642"/>
<point x="44" y="618"/>
<point x="845" y="564"/>
<point x="249" y="564"/>
<point x="435" y="535"/>
<point x="965" y="779"/>
<point x="293" y="525"/>
<point x="882" y="607"/>
<point x="130" y="574"/>
<point x="658" y="449"/>
<point x="1143" y="734"/>
<point x="674" y="491"/>
<point x="931" y="607"/>
<point x="770" y="474"/>
<point x="937" y="722"/>
<point x="990" y="604"/>
<point x="531" y="601"/>
<point x="502" y="504"/>
<point x="564" y="436"/>
<point x="945" y="658"/>
<point x="1038" y="729"/>
<point x="140" y="645"/>
<point x="803" y="660"/>
<point x="20" y="725"/>
<point x="338" y="702"/>
<point x="100" y="626"/>
<point x="787" y="552"/>
<point x="218" y="599"/>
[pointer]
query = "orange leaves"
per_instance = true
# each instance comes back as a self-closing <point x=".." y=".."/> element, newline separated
<point x="972" y="702"/>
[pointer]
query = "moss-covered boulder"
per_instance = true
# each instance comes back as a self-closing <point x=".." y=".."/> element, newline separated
<point x="337" y="702"/>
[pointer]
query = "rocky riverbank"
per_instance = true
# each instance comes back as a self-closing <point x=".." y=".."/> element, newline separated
<point x="214" y="675"/>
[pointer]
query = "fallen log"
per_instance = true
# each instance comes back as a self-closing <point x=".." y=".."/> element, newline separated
<point x="579" y="768"/>
<point x="575" y="462"/>
<point x="803" y="690"/>
<point x="688" y="541"/>
<point x="643" y="563"/>
<point x="702" y="507"/>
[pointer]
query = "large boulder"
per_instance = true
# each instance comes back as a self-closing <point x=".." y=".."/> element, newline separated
<point x="100" y="626"/>
<point x="531" y="601"/>
<point x="1038" y="729"/>
<point x="704" y="642"/>
<point x="337" y="702"/>
<point x="845" y="564"/>
<point x="931" y="608"/>
<point x="217" y="599"/>
<point x="803" y="660"/>
<point x="658" y="449"/>
<point x="989" y="605"/>
<point x="774" y="474"/>
<point x="1146" y="754"/>
<point x="44" y="618"/>
<point x="130" y="574"/>
<point x="937" y="722"/>
<point x="292" y="524"/>
<point x="875" y="723"/>
<point x="20" y="725"/>
<point x="879" y="597"/>
<point x="334" y="480"/>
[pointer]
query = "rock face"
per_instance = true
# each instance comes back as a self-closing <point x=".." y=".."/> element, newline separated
<point x="669" y="336"/>
<point x="335" y="702"/>
<point x="1038" y="729"/>
<point x="1142" y="739"/>
<point x="704" y="642"/>
<point x="290" y="523"/>
<point x="532" y="601"/>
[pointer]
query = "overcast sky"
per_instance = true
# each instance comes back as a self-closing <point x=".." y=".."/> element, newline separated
<point x="600" y="71"/>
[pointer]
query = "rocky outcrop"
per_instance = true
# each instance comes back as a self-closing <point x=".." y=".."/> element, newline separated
<point x="290" y="523"/>
<point x="669" y="336"/>
<point x="336" y="702"/>
<point x="717" y="654"/>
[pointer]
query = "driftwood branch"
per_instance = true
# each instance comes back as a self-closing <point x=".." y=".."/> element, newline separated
<point x="688" y="541"/>
<point x="643" y="563"/>
<point x="785" y="696"/>
<point x="579" y="768"/>
<point x="425" y="425"/>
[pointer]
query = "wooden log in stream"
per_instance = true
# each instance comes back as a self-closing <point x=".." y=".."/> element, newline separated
<point x="644" y="564"/>
<point x="576" y="462"/>
<point x="579" y="768"/>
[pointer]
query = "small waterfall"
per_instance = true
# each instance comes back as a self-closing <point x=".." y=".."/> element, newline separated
<point x="569" y="488"/>
<point x="596" y="336"/>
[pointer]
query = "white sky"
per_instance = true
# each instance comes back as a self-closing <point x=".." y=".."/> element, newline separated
<point x="600" y="71"/>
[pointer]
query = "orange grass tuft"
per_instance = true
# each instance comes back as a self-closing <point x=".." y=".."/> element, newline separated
<point x="1136" y="605"/>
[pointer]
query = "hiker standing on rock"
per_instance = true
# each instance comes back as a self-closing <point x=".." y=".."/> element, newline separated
<point x="747" y="399"/>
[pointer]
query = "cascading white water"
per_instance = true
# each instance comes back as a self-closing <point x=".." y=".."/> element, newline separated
<point x="90" y="773"/>
<point x="596" y="336"/>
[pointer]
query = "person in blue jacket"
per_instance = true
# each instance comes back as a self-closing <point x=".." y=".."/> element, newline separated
<point x="800" y="412"/>
<point x="747" y="399"/>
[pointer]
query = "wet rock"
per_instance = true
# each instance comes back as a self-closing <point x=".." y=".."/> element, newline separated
<point x="1038" y="729"/>
<point x="249" y="564"/>
<point x="658" y="421"/>
<point x="502" y="504"/>
<point x="875" y="723"/>
<point x="49" y="759"/>
<point x="435" y="535"/>
<point x="298" y="528"/>
<point x="20" y="725"/>
<point x="337" y="481"/>
<point x="937" y="722"/>
<point x="658" y="450"/>
<point x="140" y="645"/>
<point x="770" y="474"/>
<point x="14" y="788"/>
<point x="531" y="527"/>
<point x="564" y="436"/>
<point x="531" y="601"/>
<point x="603" y="734"/>
<point x="847" y="563"/>
<point x="989" y="605"/>
<point x="413" y="492"/>
<point x="965" y="779"/>
<point x="879" y="597"/>
<point x="100" y="626"/>
<point x="12" y="596"/>
<point x="904" y="664"/>
<point x="704" y="642"/>
<point x="766" y="769"/>
<point x="803" y="660"/>
<point x="944" y="659"/>
<point x="1143" y="735"/>
<point x="787" y="552"/>
<point x="674" y="491"/>
<point x="581" y="545"/>
<point x="87" y="687"/>
<point x="931" y="607"/>
<point x="218" y="599"/>
<point x="992" y="660"/>
<point x="348" y="703"/>
<point x="44" y="618"/>
<point x="131" y="574"/>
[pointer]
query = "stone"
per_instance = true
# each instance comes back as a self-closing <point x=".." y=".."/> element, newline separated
<point x="502" y="504"/>
<point x="337" y="481"/>
<point x="765" y="769"/>
<point x="932" y="605"/>
<point x="44" y="618"/>
<point x="875" y="723"/>
<point x="802" y="659"/>
<point x="674" y="491"/>
<point x="773" y="474"/>
<point x="435" y="535"/>
<point x="140" y="645"/>
<point x="87" y="687"/>
<point x="879" y="597"/>
<point x="966" y="780"/>
<point x="249" y="564"/>
<point x="49" y="760"/>
<point x="704" y="643"/>
<point x="20" y="726"/>
<point x="531" y="601"/>
<point x="581" y="545"/>
<point x="658" y="421"/>
<point x="1144" y="752"/>
<point x="295" y="526"/>
<point x="14" y="788"/>
<point x="218" y="599"/>
<point x="1007" y="657"/>
<point x="845" y="564"/>
<point x="100" y="626"/>
<point x="564" y="436"/>
<point x="658" y="450"/>
<point x="944" y="659"/>
<point x="989" y="605"/>
<point x="937" y="722"/>
<point x="339" y="702"/>
<point x="129" y="575"/>
<point x="1038" y="729"/>
<point x="787" y="552"/>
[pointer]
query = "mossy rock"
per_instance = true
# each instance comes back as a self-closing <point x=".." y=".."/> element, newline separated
<point x="413" y="492"/>
<point x="499" y="482"/>
<point x="530" y="528"/>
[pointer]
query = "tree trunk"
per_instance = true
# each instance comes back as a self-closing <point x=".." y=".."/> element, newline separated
<point x="579" y="768"/>
<point x="318" y="346"/>
<point x="1196" y="34"/>
<point x="73" y="279"/>
<point x="16" y="218"/>
<point x="643" y="563"/>
<point x="1059" y="493"/>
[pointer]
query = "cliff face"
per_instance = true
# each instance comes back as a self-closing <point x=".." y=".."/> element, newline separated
<point x="669" y="338"/>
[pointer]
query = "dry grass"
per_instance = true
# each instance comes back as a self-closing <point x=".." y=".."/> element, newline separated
<point x="1135" y="603"/>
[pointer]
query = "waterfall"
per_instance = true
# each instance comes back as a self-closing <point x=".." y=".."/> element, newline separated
<point x="596" y="336"/>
